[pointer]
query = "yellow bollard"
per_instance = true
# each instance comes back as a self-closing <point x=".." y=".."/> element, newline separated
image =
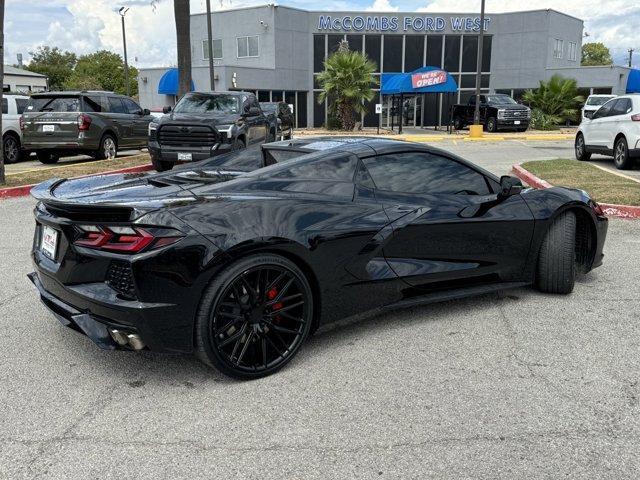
<point x="475" y="131"/>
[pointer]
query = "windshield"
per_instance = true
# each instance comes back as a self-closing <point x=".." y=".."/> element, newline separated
<point x="500" y="100"/>
<point x="54" y="104"/>
<point x="598" y="100"/>
<point x="202" y="103"/>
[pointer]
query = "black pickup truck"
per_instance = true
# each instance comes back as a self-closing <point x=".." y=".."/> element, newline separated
<point x="206" y="124"/>
<point x="497" y="112"/>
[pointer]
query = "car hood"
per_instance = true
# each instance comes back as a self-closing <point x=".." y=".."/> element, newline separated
<point x="141" y="191"/>
<point x="511" y="107"/>
<point x="200" y="118"/>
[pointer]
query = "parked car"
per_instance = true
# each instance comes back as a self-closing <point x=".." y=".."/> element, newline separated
<point x="594" y="102"/>
<point x="205" y="124"/>
<point x="12" y="108"/>
<point x="240" y="267"/>
<point x="613" y="130"/>
<point x="281" y="117"/>
<point x="95" y="123"/>
<point x="497" y="112"/>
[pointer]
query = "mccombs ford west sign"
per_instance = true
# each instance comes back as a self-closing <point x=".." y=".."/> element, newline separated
<point x="360" y="23"/>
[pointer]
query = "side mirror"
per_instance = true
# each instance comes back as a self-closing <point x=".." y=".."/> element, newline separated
<point x="589" y="114"/>
<point x="145" y="112"/>
<point x="509" y="186"/>
<point x="166" y="109"/>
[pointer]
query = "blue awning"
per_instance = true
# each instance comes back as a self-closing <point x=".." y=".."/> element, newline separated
<point x="633" y="81"/>
<point x="437" y="81"/>
<point x="168" y="84"/>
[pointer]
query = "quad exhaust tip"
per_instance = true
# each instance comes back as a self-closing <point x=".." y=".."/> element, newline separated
<point x="124" y="339"/>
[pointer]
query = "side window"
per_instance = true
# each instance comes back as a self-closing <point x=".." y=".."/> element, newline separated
<point x="424" y="173"/>
<point x="21" y="104"/>
<point x="605" y="110"/>
<point x="93" y="104"/>
<point x="116" y="105"/>
<point x="338" y="167"/>
<point x="5" y="106"/>
<point x="131" y="106"/>
<point x="622" y="106"/>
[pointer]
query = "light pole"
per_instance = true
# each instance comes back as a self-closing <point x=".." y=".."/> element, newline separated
<point x="210" y="37"/>
<point x="122" y="12"/>
<point x="476" y="113"/>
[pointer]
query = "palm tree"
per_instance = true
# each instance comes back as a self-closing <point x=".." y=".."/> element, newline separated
<point x="347" y="80"/>
<point x="557" y="98"/>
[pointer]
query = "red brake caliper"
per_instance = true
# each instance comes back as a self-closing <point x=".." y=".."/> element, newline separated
<point x="271" y="294"/>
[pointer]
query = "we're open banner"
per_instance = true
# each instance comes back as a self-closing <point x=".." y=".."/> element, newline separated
<point x="426" y="79"/>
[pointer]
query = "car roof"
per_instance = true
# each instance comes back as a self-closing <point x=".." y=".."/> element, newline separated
<point x="67" y="93"/>
<point x="222" y="92"/>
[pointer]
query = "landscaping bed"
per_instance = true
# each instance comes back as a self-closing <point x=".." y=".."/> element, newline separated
<point x="603" y="186"/>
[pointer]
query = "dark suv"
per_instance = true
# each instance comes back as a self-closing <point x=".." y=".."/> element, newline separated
<point x="281" y="118"/>
<point x="205" y="124"/>
<point x="96" y="123"/>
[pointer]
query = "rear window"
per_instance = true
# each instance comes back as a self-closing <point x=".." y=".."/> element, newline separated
<point x="276" y="156"/>
<point x="54" y="104"/>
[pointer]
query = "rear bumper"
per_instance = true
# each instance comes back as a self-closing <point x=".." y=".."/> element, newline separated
<point x="80" y="144"/>
<point x="95" y="315"/>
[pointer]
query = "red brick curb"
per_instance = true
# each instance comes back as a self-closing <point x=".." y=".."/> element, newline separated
<point x="609" y="209"/>
<point x="24" y="190"/>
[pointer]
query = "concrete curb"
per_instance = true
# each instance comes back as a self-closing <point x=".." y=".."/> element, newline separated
<point x="23" y="190"/>
<point x="609" y="209"/>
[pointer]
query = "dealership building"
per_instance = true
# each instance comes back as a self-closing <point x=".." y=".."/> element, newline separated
<point x="277" y="52"/>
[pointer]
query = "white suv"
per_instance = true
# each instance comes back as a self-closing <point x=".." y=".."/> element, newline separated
<point x="12" y="108"/>
<point x="613" y="130"/>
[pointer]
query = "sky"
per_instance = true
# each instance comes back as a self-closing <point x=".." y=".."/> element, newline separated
<point x="84" y="26"/>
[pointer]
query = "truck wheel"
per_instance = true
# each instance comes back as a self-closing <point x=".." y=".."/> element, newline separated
<point x="492" y="125"/>
<point x="237" y="144"/>
<point x="556" y="271"/>
<point x="458" y="124"/>
<point x="11" y="148"/>
<point x="621" y="157"/>
<point x="581" y="149"/>
<point x="108" y="148"/>
<point x="160" y="165"/>
<point x="47" y="157"/>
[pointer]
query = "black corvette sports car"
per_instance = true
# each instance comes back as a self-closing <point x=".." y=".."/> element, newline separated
<point x="240" y="266"/>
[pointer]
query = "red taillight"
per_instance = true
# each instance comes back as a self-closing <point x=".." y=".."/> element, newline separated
<point x="84" y="122"/>
<point x="22" y="124"/>
<point x="636" y="117"/>
<point x="121" y="239"/>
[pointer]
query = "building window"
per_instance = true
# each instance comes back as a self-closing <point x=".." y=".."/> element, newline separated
<point x="392" y="54"/>
<point x="452" y="53"/>
<point x="248" y="46"/>
<point x="318" y="53"/>
<point x="573" y="51"/>
<point x="372" y="48"/>
<point x="557" y="49"/>
<point x="434" y="50"/>
<point x="413" y="52"/>
<point x="470" y="53"/>
<point x="217" y="49"/>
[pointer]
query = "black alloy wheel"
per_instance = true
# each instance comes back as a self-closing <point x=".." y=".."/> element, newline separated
<point x="11" y="149"/>
<point x="492" y="125"/>
<point x="581" y="150"/>
<point x="257" y="314"/>
<point x="458" y="124"/>
<point x="621" y="157"/>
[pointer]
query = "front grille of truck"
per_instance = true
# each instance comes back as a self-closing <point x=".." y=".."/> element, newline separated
<point x="120" y="278"/>
<point x="187" y="136"/>
<point x="515" y="115"/>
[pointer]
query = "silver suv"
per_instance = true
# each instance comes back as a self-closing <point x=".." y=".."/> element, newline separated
<point x="12" y="108"/>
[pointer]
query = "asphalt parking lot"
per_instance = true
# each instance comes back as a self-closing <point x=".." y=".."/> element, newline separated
<point x="510" y="385"/>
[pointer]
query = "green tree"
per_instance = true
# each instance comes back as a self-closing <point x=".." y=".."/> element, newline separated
<point x="347" y="81"/>
<point x="595" y="53"/>
<point x="558" y="99"/>
<point x="102" y="70"/>
<point x="56" y="64"/>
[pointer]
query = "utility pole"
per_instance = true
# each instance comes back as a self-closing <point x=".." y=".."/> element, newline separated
<point x="123" y="11"/>
<point x="2" y="84"/>
<point x="210" y="37"/>
<point x="631" y="50"/>
<point x="476" y="113"/>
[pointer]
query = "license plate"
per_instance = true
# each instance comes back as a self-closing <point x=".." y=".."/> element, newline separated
<point x="49" y="243"/>
<point x="516" y="122"/>
<point x="184" y="156"/>
<point x="48" y="128"/>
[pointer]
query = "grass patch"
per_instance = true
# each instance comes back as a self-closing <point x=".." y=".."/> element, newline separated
<point x="75" y="170"/>
<point x="603" y="186"/>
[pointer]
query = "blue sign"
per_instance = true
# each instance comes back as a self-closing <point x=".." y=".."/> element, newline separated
<point x="361" y="23"/>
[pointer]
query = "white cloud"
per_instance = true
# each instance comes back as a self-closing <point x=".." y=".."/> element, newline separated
<point x="382" y="6"/>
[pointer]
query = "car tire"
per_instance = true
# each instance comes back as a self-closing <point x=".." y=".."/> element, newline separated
<point x="621" y="158"/>
<point x="556" y="272"/>
<point x="581" y="148"/>
<point x="160" y="165"/>
<point x="47" y="157"/>
<point x="238" y="329"/>
<point x="108" y="149"/>
<point x="237" y="144"/>
<point x="492" y="125"/>
<point x="458" y="124"/>
<point x="11" y="148"/>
